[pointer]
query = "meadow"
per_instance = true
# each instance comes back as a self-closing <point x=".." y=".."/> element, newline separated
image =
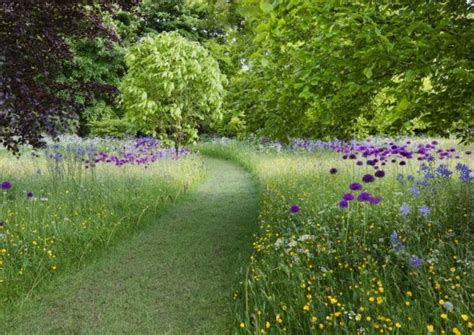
<point x="62" y="204"/>
<point x="371" y="237"/>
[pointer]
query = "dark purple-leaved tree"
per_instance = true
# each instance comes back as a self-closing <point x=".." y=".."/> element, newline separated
<point x="33" y="53"/>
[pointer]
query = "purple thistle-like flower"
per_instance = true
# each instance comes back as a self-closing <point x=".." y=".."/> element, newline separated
<point x="355" y="186"/>
<point x="424" y="210"/>
<point x="6" y="185"/>
<point x="343" y="203"/>
<point x="380" y="174"/>
<point x="405" y="209"/>
<point x="364" y="196"/>
<point x="348" y="196"/>
<point x="374" y="200"/>
<point x="333" y="171"/>
<point x="368" y="178"/>
<point x="415" y="261"/>
<point x="294" y="209"/>
<point x="29" y="194"/>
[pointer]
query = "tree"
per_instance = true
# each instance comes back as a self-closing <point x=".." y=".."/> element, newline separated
<point x="171" y="85"/>
<point x="33" y="98"/>
<point x="333" y="68"/>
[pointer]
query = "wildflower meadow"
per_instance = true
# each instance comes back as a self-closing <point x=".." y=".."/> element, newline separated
<point x="358" y="238"/>
<point x="243" y="167"/>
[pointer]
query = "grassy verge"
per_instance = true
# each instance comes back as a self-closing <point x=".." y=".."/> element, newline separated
<point x="58" y="212"/>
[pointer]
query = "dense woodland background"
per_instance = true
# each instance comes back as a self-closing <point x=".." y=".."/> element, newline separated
<point x="300" y="68"/>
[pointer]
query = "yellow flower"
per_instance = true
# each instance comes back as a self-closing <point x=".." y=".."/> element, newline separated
<point x="441" y="302"/>
<point x="409" y="294"/>
<point x="444" y="316"/>
<point x="452" y="270"/>
<point x="242" y="325"/>
<point x="398" y="325"/>
<point x="456" y="331"/>
<point x="358" y="317"/>
<point x="368" y="318"/>
<point x="278" y="318"/>
<point x="371" y="299"/>
<point x="430" y="328"/>
<point x="379" y="300"/>
<point x="306" y="307"/>
<point x="267" y="324"/>
<point x="321" y="326"/>
<point x="464" y="317"/>
<point x="314" y="318"/>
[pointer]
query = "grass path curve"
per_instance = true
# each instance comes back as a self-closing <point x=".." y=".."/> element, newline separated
<point x="174" y="277"/>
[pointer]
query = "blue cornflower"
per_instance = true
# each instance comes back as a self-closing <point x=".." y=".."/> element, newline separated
<point x="343" y="203"/>
<point x="429" y="175"/>
<point x="414" y="191"/>
<point x="415" y="261"/>
<point x="405" y="209"/>
<point x="396" y="243"/>
<point x="424" y="210"/>
<point x="443" y="170"/>
<point x="465" y="172"/>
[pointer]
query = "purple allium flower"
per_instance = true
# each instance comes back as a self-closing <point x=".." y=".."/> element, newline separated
<point x="404" y="209"/>
<point x="368" y="178"/>
<point x="396" y="243"/>
<point x="380" y="174"/>
<point x="443" y="170"/>
<point x="6" y="185"/>
<point x="333" y="171"/>
<point x="360" y="163"/>
<point x="294" y="209"/>
<point x="352" y="156"/>
<point x="355" y="186"/>
<point x="415" y="261"/>
<point x="348" y="196"/>
<point x="343" y="203"/>
<point x="364" y="196"/>
<point x="29" y="194"/>
<point x="374" y="200"/>
<point x="424" y="210"/>
<point x="402" y="163"/>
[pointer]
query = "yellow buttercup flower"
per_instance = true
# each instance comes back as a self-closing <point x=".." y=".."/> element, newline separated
<point x="430" y="328"/>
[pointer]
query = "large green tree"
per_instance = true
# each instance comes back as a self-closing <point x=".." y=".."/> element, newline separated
<point x="337" y="68"/>
<point x="171" y="85"/>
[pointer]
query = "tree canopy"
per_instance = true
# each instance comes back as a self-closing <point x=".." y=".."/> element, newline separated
<point x="171" y="85"/>
<point x="338" y="69"/>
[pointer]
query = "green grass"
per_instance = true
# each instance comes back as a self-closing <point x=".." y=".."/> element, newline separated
<point x="77" y="212"/>
<point x="335" y="271"/>
<point x="176" y="276"/>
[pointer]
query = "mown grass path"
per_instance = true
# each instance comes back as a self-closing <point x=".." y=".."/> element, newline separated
<point x="174" y="277"/>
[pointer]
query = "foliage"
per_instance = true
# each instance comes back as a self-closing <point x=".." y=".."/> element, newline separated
<point x="117" y="128"/>
<point x="322" y="69"/>
<point x="400" y="266"/>
<point x="171" y="85"/>
<point x="34" y="49"/>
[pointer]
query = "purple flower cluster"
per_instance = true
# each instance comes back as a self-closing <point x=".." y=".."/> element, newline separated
<point x="145" y="151"/>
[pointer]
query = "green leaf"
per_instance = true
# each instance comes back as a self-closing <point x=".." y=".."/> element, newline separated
<point x="266" y="7"/>
<point x="368" y="72"/>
